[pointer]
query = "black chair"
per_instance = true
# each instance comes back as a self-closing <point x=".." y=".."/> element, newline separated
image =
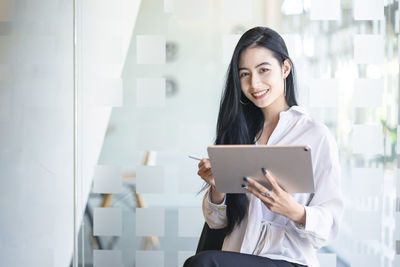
<point x="211" y="239"/>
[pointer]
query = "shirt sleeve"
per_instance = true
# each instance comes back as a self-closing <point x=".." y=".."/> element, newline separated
<point x="214" y="214"/>
<point x="324" y="212"/>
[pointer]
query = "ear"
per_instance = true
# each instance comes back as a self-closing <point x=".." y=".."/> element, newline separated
<point x="286" y="68"/>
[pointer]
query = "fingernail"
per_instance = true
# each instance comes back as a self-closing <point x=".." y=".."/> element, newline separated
<point x="245" y="179"/>
<point x="264" y="171"/>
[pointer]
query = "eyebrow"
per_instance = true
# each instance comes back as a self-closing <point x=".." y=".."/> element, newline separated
<point x="263" y="63"/>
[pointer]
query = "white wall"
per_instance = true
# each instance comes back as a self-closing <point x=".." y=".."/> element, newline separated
<point x="36" y="185"/>
<point x="36" y="118"/>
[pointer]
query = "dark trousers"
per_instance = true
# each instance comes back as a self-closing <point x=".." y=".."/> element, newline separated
<point x="216" y="258"/>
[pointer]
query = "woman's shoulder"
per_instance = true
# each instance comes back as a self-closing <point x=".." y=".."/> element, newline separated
<point x="313" y="126"/>
<point x="318" y="136"/>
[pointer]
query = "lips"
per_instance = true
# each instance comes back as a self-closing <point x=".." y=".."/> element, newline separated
<point x="260" y="94"/>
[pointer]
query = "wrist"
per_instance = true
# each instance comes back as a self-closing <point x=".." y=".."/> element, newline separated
<point x="216" y="197"/>
<point x="299" y="216"/>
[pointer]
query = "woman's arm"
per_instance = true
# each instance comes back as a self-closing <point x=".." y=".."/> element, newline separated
<point x="214" y="208"/>
<point x="324" y="213"/>
<point x="214" y="214"/>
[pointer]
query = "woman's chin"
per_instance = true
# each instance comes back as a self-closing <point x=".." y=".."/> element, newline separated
<point x="268" y="101"/>
<point x="262" y="104"/>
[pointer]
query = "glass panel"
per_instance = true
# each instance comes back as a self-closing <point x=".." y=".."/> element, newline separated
<point x="150" y="76"/>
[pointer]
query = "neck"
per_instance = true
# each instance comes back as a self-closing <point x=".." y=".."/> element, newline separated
<point x="271" y="112"/>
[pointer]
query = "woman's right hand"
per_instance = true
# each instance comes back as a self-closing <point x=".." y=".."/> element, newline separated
<point x="205" y="173"/>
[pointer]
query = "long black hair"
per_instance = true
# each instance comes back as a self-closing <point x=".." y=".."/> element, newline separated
<point x="239" y="123"/>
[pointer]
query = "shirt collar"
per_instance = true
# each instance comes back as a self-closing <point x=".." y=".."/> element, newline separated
<point x="301" y="110"/>
<point x="284" y="120"/>
<point x="294" y="109"/>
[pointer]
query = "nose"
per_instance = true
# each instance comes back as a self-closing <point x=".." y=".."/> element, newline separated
<point x="255" y="81"/>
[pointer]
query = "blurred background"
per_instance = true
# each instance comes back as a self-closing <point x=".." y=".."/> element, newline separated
<point x="102" y="101"/>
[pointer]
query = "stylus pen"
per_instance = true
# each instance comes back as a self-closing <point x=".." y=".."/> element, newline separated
<point x="193" y="157"/>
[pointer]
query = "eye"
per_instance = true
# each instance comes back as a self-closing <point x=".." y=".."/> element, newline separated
<point x="264" y="70"/>
<point x="243" y="74"/>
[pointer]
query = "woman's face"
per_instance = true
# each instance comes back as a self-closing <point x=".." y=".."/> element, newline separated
<point x="261" y="76"/>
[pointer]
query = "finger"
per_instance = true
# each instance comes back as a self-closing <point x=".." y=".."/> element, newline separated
<point x="206" y="168"/>
<point x="201" y="163"/>
<point x="207" y="165"/>
<point x="202" y="175"/>
<point x="267" y="194"/>
<point x="255" y="184"/>
<point x="203" y="171"/>
<point x="271" y="180"/>
<point x="205" y="174"/>
<point x="258" y="194"/>
<point x="204" y="163"/>
<point x="209" y="172"/>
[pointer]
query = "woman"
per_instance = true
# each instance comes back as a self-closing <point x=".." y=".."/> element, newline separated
<point x="270" y="227"/>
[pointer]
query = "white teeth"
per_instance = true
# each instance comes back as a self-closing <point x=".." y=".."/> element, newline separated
<point x="260" y="93"/>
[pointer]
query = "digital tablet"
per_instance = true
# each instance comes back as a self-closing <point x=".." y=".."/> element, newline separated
<point x="291" y="166"/>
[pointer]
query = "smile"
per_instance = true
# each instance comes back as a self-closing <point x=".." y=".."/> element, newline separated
<point x="260" y="94"/>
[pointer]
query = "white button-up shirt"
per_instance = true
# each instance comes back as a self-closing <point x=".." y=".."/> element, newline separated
<point x="271" y="235"/>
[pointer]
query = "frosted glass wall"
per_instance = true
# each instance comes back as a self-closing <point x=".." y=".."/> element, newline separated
<point x="150" y="75"/>
<point x="348" y="69"/>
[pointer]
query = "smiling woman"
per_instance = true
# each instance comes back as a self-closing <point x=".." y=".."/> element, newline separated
<point x="270" y="227"/>
<point x="265" y="84"/>
<point x="260" y="63"/>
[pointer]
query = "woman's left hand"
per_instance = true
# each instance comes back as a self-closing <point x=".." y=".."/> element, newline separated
<point x="277" y="200"/>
